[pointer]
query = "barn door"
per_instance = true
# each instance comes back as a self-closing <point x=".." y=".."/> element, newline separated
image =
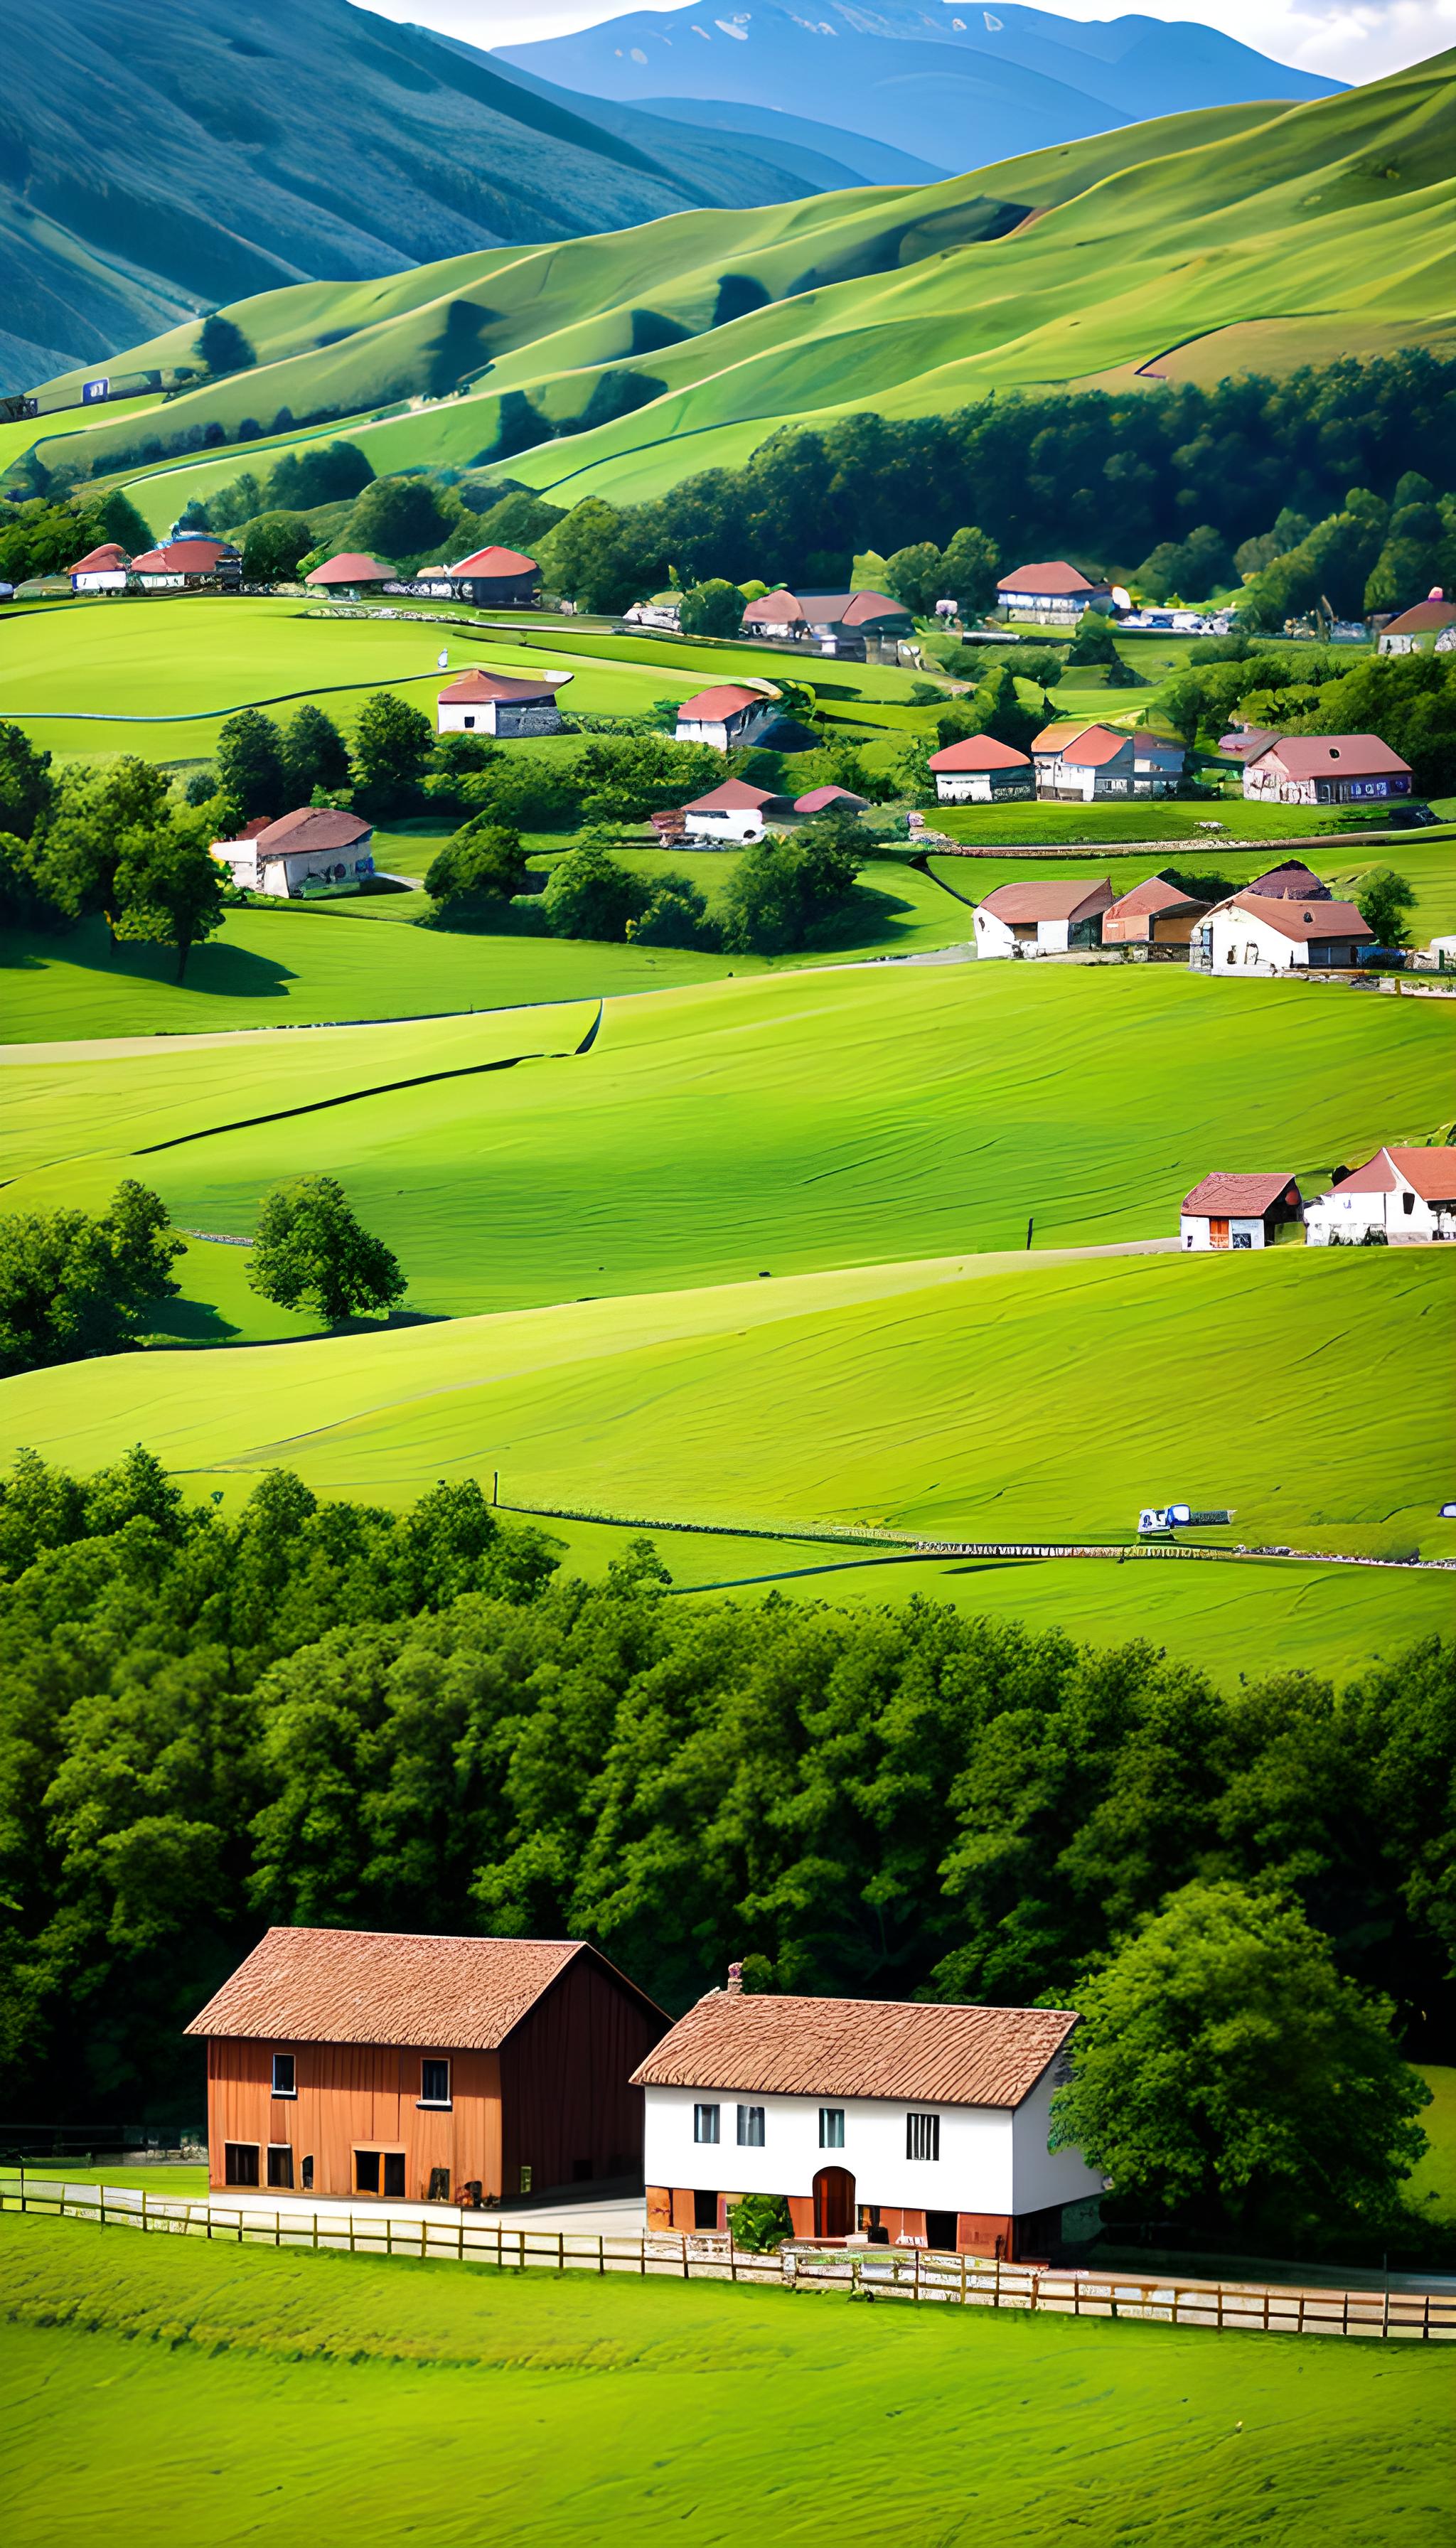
<point x="1218" y="1231"/>
<point x="834" y="2203"/>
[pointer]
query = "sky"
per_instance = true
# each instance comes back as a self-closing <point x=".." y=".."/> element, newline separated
<point x="1347" y="40"/>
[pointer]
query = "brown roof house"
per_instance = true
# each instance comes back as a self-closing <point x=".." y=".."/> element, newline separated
<point x="1410" y="1194"/>
<point x="1046" y="916"/>
<point x="929" y="2121"/>
<point x="1156" y="913"/>
<point x="313" y="849"/>
<point x="500" y="703"/>
<point x="1428" y="627"/>
<point x="829" y="623"/>
<point x="493" y="578"/>
<point x="351" y="572"/>
<point x="1273" y="933"/>
<point x="1240" y="1211"/>
<point x="1052" y="593"/>
<point x="346" y="2062"/>
<point x="728" y="715"/>
<point x="180" y="566"/>
<point x="980" y="771"/>
<point x="1326" y="769"/>
<point x="1084" y="762"/>
<point x="732" y="813"/>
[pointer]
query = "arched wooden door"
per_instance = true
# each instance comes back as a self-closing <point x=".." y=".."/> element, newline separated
<point x="834" y="2203"/>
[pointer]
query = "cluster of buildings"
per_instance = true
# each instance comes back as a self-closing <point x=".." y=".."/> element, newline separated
<point x="351" y="2066"/>
<point x="497" y="578"/>
<point x="1285" y="919"/>
<point x="186" y="565"/>
<point x="1070" y="762"/>
<point x="1404" y="1196"/>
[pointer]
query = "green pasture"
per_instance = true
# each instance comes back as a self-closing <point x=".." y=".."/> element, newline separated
<point x="158" y="2390"/>
<point x="1427" y="860"/>
<point x="1164" y="820"/>
<point x="1432" y="2186"/>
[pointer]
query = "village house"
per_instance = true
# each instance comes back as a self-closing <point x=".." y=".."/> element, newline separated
<point x="1158" y="763"/>
<point x="310" y="849"/>
<point x="102" y="570"/>
<point x="343" y="2062"/>
<point x="182" y="565"/>
<point x="980" y="771"/>
<point x="351" y="574"/>
<point x="821" y="800"/>
<point x="1409" y="1194"/>
<point x="728" y="715"/>
<point x="1275" y="934"/>
<point x="923" y="2121"/>
<point x="500" y="703"/>
<point x="831" y="623"/>
<point x="730" y="814"/>
<point x="1229" y="1210"/>
<point x="493" y="577"/>
<point x="1052" y="593"/>
<point x="1243" y="743"/>
<point x="1428" y="627"/>
<point x="1083" y="762"/>
<point x="1326" y="769"/>
<point x="1044" y="916"/>
<point x="1156" y="913"/>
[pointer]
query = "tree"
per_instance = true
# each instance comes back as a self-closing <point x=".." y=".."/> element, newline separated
<point x="314" y="755"/>
<point x="310" y="1252"/>
<point x="675" y="915"/>
<point x="597" y="557"/>
<point x="393" y="743"/>
<point x="622" y="777"/>
<point x="399" y="517"/>
<point x="327" y="473"/>
<point x="26" y="788"/>
<point x="1383" y="899"/>
<point x="222" y="347"/>
<point x="712" y="610"/>
<point x="782" y="889"/>
<point x="759" y="2223"/>
<point x="98" y="814"/>
<point x="250" y="773"/>
<point x="238" y="502"/>
<point x="969" y="570"/>
<point x="479" y="870"/>
<point x="272" y="546"/>
<point x="914" y="576"/>
<point x="170" y="887"/>
<point x="591" y="894"/>
<point x="524" y="790"/>
<point x="73" y="1284"/>
<point x="1224" y="2071"/>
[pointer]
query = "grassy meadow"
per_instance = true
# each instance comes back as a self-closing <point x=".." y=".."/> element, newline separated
<point x="252" y="2386"/>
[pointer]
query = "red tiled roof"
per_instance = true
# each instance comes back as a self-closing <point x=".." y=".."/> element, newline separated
<point x="1420" y="616"/>
<point x="1056" y="736"/>
<point x="1155" y="893"/>
<point x="1432" y="1173"/>
<point x="488" y="561"/>
<point x="1243" y="741"/>
<point x="820" y="797"/>
<point x="1315" y="920"/>
<point x="979" y="752"/>
<point x="1237" y="1197"/>
<point x="770" y="605"/>
<point x="734" y="795"/>
<point x="357" y="1986"/>
<point x="1095" y="746"/>
<point x="183" y="557"/>
<point x="725" y="699"/>
<point x="478" y="686"/>
<point x="1052" y="574"/>
<point x="311" y="827"/>
<point x="842" y="610"/>
<point x="873" y="605"/>
<point x="351" y="567"/>
<point x="109" y="559"/>
<point x="1048" y="898"/>
<point x="923" y="2052"/>
<point x="1346" y="756"/>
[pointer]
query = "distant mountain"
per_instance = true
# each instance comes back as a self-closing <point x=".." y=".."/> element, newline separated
<point x="160" y="157"/>
<point x="952" y="84"/>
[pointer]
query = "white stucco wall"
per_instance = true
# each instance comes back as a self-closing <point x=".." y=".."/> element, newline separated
<point x="735" y="824"/>
<point x="1192" y="1231"/>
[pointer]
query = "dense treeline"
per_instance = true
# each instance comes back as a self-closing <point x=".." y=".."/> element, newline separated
<point x="323" y="1712"/>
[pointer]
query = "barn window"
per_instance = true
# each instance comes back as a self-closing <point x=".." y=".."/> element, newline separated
<point x="831" y="2128"/>
<point x="750" y="2126"/>
<point x="923" y="2136"/>
<point x="1408" y="1203"/>
<point x="280" y="2163"/>
<point x="706" y="2122"/>
<point x="394" y="2173"/>
<point x="366" y="2171"/>
<point x="309" y="2175"/>
<point x="434" y="2083"/>
<point x="240" y="2162"/>
<point x="285" y="2082"/>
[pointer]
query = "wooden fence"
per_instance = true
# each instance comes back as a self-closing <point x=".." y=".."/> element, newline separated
<point x="865" y="2274"/>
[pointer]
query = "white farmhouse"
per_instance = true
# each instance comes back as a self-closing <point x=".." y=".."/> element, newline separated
<point x="102" y="570"/>
<point x="1052" y="593"/>
<point x="1238" y="1211"/>
<point x="1271" y="934"/>
<point x="729" y="815"/>
<point x="727" y="715"/>
<point x="1084" y="762"/>
<point x="980" y="771"/>
<point x="1326" y="769"/>
<point x="1046" y="916"/>
<point x="1428" y="627"/>
<point x="312" y="848"/>
<point x="180" y="566"/>
<point x="1409" y="1194"/>
<point x="500" y="703"/>
<point x="929" y="2123"/>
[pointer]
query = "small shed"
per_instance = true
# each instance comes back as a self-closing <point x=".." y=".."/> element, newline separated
<point x="1156" y="913"/>
<point x="500" y="703"/>
<point x="1429" y="627"/>
<point x="980" y="771"/>
<point x="493" y="578"/>
<point x="1231" y="1211"/>
<point x="727" y="715"/>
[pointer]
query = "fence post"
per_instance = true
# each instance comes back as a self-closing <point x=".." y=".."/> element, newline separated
<point x="277" y="2229"/>
<point x="1218" y="2318"/>
<point x="424" y="2235"/>
<point x="1266" y="2309"/>
<point x="144" y="2206"/>
<point x="600" y="2254"/>
<point x="351" y="2234"/>
<point x="1345" y="2316"/>
<point x="962" y="2278"/>
<point x="1425" y="2321"/>
<point x="996" y="2287"/>
<point x="461" y="2240"/>
<point x="642" y="2255"/>
<point x="561" y="2251"/>
<point x="316" y="2228"/>
<point x="685" y="2255"/>
<point x="1299" y="2326"/>
<point x="917" y="2273"/>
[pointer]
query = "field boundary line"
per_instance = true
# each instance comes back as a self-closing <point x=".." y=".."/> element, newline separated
<point x="917" y="2274"/>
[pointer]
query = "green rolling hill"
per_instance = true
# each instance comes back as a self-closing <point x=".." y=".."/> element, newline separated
<point x="1247" y="237"/>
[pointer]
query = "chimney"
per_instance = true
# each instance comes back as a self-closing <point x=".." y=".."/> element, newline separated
<point x="735" y="1978"/>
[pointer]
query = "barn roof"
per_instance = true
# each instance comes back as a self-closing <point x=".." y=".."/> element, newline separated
<point x="734" y="796"/>
<point x="724" y="699"/>
<point x="1048" y="898"/>
<point x="314" y="828"/>
<point x="480" y="687"/>
<point x="1244" y="1198"/>
<point x="1327" y="919"/>
<point x="183" y="557"/>
<point x="819" y="799"/>
<point x="1156" y="893"/>
<point x="361" y="1986"/>
<point x="109" y="559"/>
<point x="1346" y="756"/>
<point x="1290" y="881"/>
<point x="1432" y="1173"/>
<point x="1052" y="574"/>
<point x="943" y="2055"/>
<point x="1435" y="614"/>
<point x="494" y="561"/>
<point x="351" y="566"/>
<point x="1095" y="746"/>
<point x="979" y="752"/>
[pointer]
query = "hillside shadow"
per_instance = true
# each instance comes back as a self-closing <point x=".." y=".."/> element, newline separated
<point x="218" y="970"/>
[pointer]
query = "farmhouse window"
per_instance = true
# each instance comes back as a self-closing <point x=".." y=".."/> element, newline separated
<point x="750" y="2126"/>
<point x="434" y="2083"/>
<point x="366" y="2171"/>
<point x="706" y="2122"/>
<point x="280" y="2163"/>
<point x="923" y="2136"/>
<point x="285" y="2078"/>
<point x="831" y="2128"/>
<point x="1408" y="1203"/>
<point x="240" y="2162"/>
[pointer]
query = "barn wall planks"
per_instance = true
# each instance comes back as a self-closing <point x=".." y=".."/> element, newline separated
<point x="350" y="2097"/>
<point x="568" y="2111"/>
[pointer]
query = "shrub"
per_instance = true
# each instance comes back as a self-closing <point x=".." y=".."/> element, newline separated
<point x="591" y="894"/>
<point x="761" y="2223"/>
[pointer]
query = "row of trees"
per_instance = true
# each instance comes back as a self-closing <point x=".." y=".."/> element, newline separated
<point x="116" y="840"/>
<point x="323" y="1712"/>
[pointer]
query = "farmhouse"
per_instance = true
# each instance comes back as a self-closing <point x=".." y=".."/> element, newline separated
<point x="927" y="2121"/>
<point x="1156" y="913"/>
<point x="1238" y="1211"/>
<point x="1052" y="593"/>
<point x="734" y="812"/>
<point x="1158" y="763"/>
<point x="102" y="570"/>
<point x="980" y="771"/>
<point x="1046" y="916"/>
<point x="727" y="715"/>
<point x="1084" y="762"/>
<point x="493" y="578"/>
<point x="1274" y="934"/>
<point x="307" y="850"/>
<point x="1409" y="1194"/>
<point x="1326" y="769"/>
<point x="833" y="623"/>
<point x="181" y="565"/>
<point x="344" y="2063"/>
<point x="351" y="573"/>
<point x="1429" y="627"/>
<point x="500" y="703"/>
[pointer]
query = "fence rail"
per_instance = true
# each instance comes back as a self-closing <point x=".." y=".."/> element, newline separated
<point x="914" y="2274"/>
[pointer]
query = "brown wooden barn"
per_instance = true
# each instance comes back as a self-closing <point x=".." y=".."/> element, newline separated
<point x="350" y="2063"/>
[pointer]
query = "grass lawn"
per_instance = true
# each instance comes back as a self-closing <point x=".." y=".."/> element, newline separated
<point x="1432" y="2187"/>
<point x="1160" y="820"/>
<point x="255" y="2388"/>
<point x="152" y="2177"/>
